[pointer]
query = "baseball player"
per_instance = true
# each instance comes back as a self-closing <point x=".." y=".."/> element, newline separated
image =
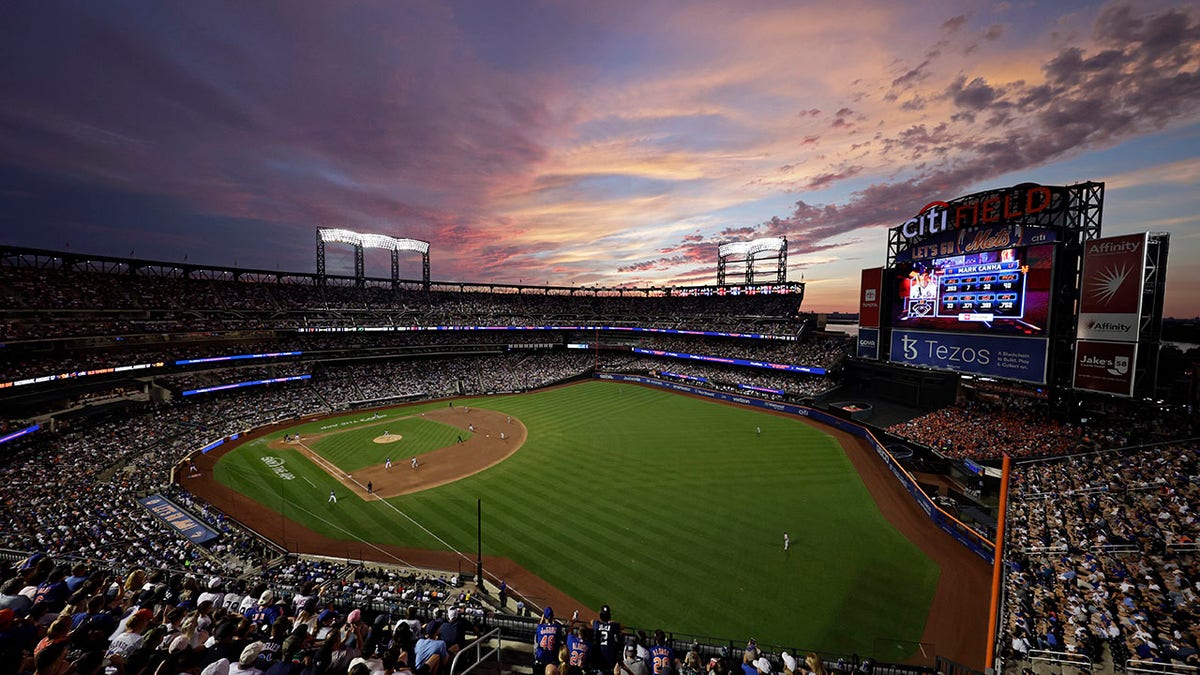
<point x="414" y="462"/>
<point x="758" y="431"/>
<point x="332" y="497"/>
<point x="371" y="490"/>
<point x="471" y="428"/>
<point x="387" y="464"/>
<point x="787" y="541"/>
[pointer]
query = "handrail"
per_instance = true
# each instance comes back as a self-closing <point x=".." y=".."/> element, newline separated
<point x="1065" y="658"/>
<point x="1140" y="666"/>
<point x="477" y="647"/>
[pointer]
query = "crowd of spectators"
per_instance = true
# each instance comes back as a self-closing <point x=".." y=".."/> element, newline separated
<point x="723" y="378"/>
<point x="822" y="352"/>
<point x="86" y="619"/>
<point x="55" y="302"/>
<point x="1021" y="427"/>
<point x="1102" y="551"/>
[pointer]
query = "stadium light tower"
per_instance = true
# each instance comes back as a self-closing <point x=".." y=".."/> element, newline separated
<point x="362" y="241"/>
<point x="767" y="249"/>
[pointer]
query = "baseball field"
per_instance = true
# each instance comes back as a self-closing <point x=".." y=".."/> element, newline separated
<point x="669" y="508"/>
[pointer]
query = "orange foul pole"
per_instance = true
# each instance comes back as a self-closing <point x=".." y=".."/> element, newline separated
<point x="997" y="562"/>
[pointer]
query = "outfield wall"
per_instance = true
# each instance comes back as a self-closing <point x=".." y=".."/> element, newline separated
<point x="966" y="536"/>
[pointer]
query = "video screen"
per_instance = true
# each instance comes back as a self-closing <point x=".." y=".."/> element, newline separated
<point x="1005" y="291"/>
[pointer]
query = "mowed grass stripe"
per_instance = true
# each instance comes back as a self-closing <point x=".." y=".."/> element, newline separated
<point x="671" y="509"/>
<point x="354" y="448"/>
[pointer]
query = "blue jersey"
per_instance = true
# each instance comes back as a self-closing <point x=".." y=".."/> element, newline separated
<point x="546" y="640"/>
<point x="662" y="660"/>
<point x="579" y="650"/>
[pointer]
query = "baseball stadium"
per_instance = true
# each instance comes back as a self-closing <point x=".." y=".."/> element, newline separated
<point x="709" y="469"/>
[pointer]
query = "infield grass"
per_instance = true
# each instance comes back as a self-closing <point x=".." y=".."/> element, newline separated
<point x="668" y="508"/>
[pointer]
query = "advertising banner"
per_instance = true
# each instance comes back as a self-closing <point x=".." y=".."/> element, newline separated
<point x="1110" y="302"/>
<point x="868" y="343"/>
<point x="188" y="526"/>
<point x="1105" y="367"/>
<point x="1008" y="357"/>
<point x="975" y="240"/>
<point x="869" y="295"/>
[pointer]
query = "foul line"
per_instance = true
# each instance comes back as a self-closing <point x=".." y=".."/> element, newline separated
<point x="356" y="537"/>
<point x="321" y="461"/>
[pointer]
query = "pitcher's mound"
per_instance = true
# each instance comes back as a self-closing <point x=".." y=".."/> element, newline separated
<point x="388" y="438"/>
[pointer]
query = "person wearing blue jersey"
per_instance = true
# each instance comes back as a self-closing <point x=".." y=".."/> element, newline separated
<point x="662" y="657"/>
<point x="579" y="648"/>
<point x="547" y="638"/>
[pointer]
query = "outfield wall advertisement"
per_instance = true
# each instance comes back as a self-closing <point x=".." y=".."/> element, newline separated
<point x="1110" y="302"/>
<point x="952" y="526"/>
<point x="868" y="343"/>
<point x="870" y="294"/>
<point x="1105" y="367"/>
<point x="1009" y="357"/>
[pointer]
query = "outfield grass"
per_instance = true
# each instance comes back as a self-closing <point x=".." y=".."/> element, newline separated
<point x="667" y="507"/>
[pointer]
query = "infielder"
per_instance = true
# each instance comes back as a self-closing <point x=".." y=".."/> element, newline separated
<point x="414" y="462"/>
<point x="332" y="497"/>
<point x="387" y="464"/>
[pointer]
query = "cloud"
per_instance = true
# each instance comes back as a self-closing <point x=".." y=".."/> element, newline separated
<point x="914" y="75"/>
<point x="1140" y="75"/>
<point x="954" y="23"/>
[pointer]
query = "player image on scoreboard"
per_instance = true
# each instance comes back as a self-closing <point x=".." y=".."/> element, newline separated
<point x="1005" y="290"/>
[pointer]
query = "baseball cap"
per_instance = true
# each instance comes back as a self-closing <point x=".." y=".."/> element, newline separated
<point x="789" y="661"/>
<point x="452" y="614"/>
<point x="354" y="616"/>
<point x="763" y="665"/>
<point x="548" y="612"/>
<point x="326" y="615"/>
<point x="218" y="667"/>
<point x="250" y="654"/>
<point x="605" y="613"/>
<point x="214" y="582"/>
<point x="266" y="598"/>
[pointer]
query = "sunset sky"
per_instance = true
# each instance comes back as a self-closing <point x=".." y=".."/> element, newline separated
<point x="609" y="142"/>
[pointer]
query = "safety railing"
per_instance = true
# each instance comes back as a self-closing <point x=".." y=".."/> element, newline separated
<point x="1140" y="666"/>
<point x="477" y="648"/>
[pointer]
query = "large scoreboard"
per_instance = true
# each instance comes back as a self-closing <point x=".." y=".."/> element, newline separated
<point x="1005" y="291"/>
<point x="1016" y="283"/>
<point x="970" y="285"/>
